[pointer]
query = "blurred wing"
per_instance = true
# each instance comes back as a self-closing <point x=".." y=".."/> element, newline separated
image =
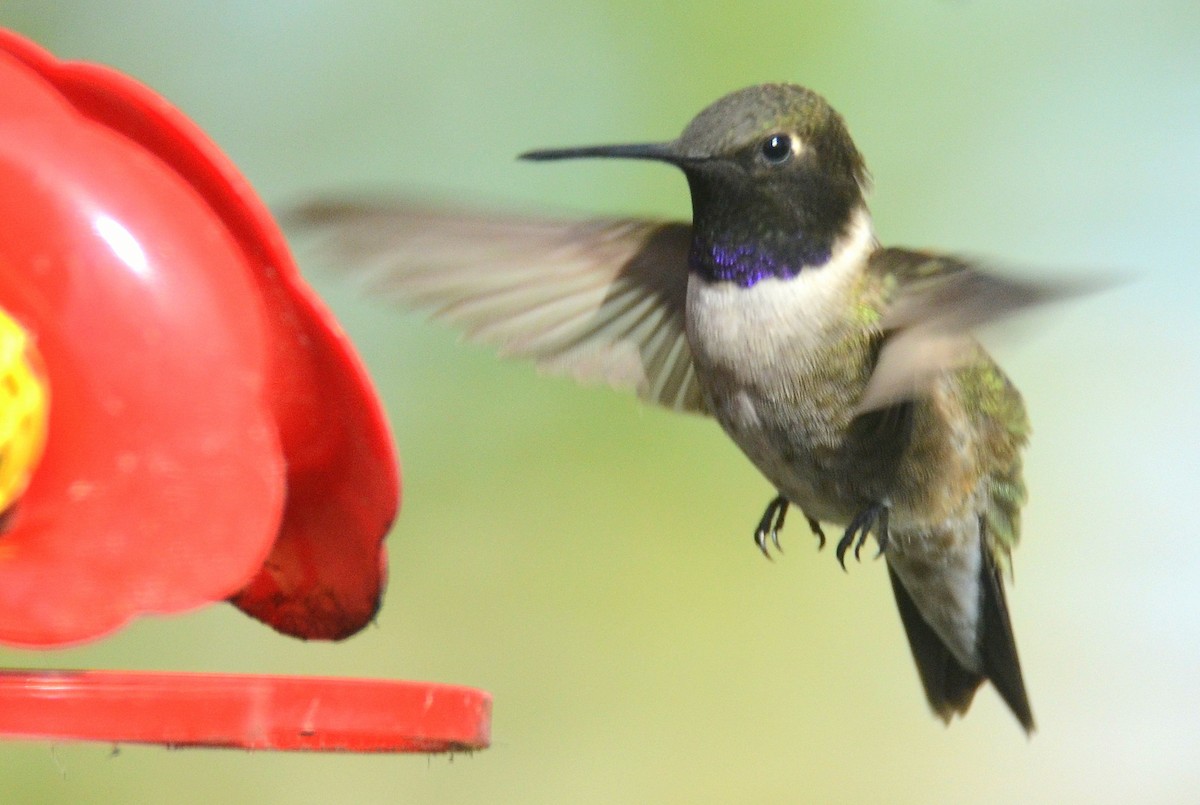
<point x="936" y="304"/>
<point x="598" y="300"/>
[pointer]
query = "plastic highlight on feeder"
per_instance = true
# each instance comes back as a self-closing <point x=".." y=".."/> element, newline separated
<point x="243" y="711"/>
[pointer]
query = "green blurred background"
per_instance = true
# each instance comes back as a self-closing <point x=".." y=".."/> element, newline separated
<point x="589" y="561"/>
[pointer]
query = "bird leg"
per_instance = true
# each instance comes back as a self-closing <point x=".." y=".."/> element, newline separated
<point x="875" y="515"/>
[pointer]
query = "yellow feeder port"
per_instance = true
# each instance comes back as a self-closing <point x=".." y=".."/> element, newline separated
<point x="24" y="408"/>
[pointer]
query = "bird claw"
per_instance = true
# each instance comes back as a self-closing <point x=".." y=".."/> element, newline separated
<point x="817" y="532"/>
<point x="769" y="525"/>
<point x="875" y="516"/>
<point x="772" y="523"/>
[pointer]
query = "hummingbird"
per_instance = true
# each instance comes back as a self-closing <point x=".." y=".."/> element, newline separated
<point x="847" y="372"/>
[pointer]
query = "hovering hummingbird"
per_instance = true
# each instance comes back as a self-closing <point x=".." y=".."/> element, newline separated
<point x="845" y="371"/>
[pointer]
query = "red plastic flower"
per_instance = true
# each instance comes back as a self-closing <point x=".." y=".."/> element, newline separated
<point x="211" y="433"/>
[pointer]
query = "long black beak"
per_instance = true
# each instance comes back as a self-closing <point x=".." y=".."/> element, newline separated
<point x="659" y="152"/>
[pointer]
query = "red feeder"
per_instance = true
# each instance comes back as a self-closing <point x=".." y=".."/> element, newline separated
<point x="206" y="432"/>
<point x="247" y="712"/>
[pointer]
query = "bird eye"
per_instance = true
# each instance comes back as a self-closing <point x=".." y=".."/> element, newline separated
<point x="777" y="149"/>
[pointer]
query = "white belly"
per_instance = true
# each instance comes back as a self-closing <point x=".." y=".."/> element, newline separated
<point x="762" y="357"/>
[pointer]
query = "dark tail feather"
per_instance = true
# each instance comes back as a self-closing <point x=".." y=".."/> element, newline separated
<point x="949" y="686"/>
<point x="996" y="643"/>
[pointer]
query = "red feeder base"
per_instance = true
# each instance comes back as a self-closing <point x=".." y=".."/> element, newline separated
<point x="243" y="711"/>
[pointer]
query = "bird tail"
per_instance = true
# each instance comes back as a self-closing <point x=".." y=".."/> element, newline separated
<point x="949" y="686"/>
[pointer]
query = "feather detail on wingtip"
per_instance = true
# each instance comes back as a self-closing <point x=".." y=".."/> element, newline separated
<point x="598" y="300"/>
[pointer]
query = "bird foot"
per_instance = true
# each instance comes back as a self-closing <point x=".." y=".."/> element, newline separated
<point x="771" y="523"/>
<point x="874" y="516"/>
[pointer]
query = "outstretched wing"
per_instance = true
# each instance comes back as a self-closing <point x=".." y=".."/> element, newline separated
<point x="597" y="300"/>
<point x="934" y="305"/>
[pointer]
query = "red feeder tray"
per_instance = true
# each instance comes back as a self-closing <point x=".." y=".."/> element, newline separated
<point x="247" y="712"/>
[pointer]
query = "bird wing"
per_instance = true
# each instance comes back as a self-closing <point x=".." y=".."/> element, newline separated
<point x="932" y="306"/>
<point x="598" y="300"/>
